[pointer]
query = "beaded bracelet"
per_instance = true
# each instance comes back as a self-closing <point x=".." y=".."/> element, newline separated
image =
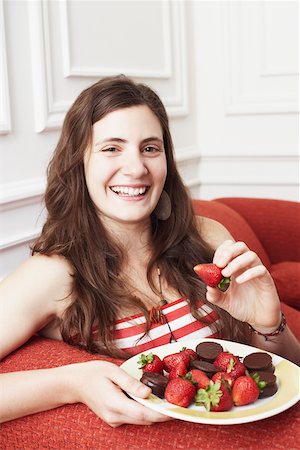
<point x="279" y="330"/>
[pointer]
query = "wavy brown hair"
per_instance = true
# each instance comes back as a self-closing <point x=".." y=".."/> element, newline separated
<point x="74" y="230"/>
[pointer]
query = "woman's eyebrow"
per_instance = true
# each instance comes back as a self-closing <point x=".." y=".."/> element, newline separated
<point x="110" y="139"/>
<point x="153" y="138"/>
<point x="125" y="141"/>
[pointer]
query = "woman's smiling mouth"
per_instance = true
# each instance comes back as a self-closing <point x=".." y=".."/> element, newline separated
<point x="130" y="191"/>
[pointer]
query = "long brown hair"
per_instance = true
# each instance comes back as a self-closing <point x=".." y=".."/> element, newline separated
<point x="74" y="230"/>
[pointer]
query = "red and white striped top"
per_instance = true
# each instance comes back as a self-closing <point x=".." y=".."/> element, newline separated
<point x="129" y="332"/>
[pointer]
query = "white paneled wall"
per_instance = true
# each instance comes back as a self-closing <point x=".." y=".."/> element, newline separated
<point x="248" y="98"/>
<point x="226" y="71"/>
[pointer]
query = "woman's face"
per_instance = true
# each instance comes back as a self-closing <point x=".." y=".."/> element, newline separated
<point x="126" y="167"/>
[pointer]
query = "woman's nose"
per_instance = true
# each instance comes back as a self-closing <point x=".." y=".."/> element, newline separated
<point x="134" y="165"/>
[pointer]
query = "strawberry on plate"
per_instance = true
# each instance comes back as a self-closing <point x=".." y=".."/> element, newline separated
<point x="211" y="275"/>
<point x="200" y="378"/>
<point x="225" y="361"/>
<point x="150" y="363"/>
<point x="244" y="391"/>
<point x="180" y="392"/>
<point x="171" y="361"/>
<point x="224" y="377"/>
<point x="215" y="397"/>
<point x="178" y="371"/>
<point x="191" y="353"/>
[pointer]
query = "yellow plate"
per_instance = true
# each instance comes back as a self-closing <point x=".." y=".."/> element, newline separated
<point x="288" y="379"/>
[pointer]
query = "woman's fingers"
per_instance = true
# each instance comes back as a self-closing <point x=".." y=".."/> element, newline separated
<point x="227" y="251"/>
<point x="129" y="384"/>
<point x="241" y="262"/>
<point x="125" y="410"/>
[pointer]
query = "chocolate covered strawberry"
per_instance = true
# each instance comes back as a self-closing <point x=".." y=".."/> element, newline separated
<point x="150" y="363"/>
<point x="180" y="392"/>
<point x="245" y="390"/>
<point x="211" y="275"/>
<point x="215" y="397"/>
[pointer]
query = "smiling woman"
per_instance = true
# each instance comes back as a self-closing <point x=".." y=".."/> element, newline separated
<point x="112" y="271"/>
<point x="125" y="175"/>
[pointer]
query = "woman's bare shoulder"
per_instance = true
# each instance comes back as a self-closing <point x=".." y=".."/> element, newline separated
<point x="33" y="296"/>
<point x="213" y="232"/>
<point x="48" y="277"/>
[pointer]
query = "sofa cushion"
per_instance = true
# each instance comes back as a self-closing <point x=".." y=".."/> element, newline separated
<point x="275" y="223"/>
<point x="234" y="223"/>
<point x="286" y="276"/>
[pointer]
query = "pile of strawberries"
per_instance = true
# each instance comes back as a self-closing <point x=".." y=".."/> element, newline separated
<point x="230" y="386"/>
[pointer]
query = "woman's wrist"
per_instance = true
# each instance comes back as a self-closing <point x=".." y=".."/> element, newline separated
<point x="269" y="333"/>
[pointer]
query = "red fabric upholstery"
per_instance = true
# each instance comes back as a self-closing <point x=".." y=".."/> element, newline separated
<point x="76" y="427"/>
<point x="287" y="279"/>
<point x="274" y="222"/>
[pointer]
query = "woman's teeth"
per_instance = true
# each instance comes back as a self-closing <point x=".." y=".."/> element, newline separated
<point x="132" y="192"/>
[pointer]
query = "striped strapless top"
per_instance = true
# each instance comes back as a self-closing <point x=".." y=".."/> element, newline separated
<point x="129" y="333"/>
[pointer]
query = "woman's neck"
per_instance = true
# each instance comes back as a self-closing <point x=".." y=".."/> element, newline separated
<point x="134" y="238"/>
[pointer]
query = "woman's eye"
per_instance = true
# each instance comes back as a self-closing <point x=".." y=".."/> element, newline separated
<point x="109" y="149"/>
<point x="151" y="149"/>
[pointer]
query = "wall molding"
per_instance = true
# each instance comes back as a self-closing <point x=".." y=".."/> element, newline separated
<point x="22" y="193"/>
<point x="250" y="170"/>
<point x="77" y="71"/>
<point x="5" y="116"/>
<point x="18" y="240"/>
<point x="238" y="99"/>
<point x="50" y="113"/>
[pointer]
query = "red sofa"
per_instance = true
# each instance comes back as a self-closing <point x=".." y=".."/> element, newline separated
<point x="269" y="227"/>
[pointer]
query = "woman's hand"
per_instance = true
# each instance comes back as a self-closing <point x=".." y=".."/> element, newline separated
<point x="251" y="296"/>
<point x="100" y="385"/>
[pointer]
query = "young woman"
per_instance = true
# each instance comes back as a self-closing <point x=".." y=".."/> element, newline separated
<point x="121" y="240"/>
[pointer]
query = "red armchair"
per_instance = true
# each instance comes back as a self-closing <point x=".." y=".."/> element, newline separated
<point x="270" y="228"/>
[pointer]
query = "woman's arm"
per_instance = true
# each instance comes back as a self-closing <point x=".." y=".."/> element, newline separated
<point x="31" y="298"/>
<point x="32" y="391"/>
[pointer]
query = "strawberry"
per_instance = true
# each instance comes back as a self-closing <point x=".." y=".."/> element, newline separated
<point x="215" y="397"/>
<point x="180" y="392"/>
<point x="244" y="391"/>
<point x="211" y="275"/>
<point x="200" y="378"/>
<point x="225" y="361"/>
<point x="237" y="370"/>
<point x="171" y="361"/>
<point x="192" y="354"/>
<point x="151" y="363"/>
<point x="179" y="370"/>
<point x="224" y="377"/>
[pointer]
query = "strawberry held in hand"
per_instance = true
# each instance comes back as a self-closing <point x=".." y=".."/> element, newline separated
<point x="211" y="275"/>
<point x="180" y="392"/>
<point x="150" y="363"/>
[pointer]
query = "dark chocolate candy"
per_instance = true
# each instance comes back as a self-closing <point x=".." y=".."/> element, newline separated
<point x="271" y="387"/>
<point x="206" y="367"/>
<point x="268" y="391"/>
<point x="258" y="361"/>
<point x="156" y="382"/>
<point x="208" y="351"/>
